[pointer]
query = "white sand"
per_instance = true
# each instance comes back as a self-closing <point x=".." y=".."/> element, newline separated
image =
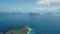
<point x="29" y="30"/>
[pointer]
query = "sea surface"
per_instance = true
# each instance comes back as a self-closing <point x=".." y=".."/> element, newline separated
<point x="46" y="24"/>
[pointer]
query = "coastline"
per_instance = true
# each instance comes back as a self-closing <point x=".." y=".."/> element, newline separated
<point x="29" y="30"/>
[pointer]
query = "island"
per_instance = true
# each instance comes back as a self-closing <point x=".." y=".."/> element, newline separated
<point x="16" y="13"/>
<point x="11" y="13"/>
<point x="49" y="13"/>
<point x="23" y="30"/>
<point x="33" y="14"/>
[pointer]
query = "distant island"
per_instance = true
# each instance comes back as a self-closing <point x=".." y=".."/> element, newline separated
<point x="16" y="13"/>
<point x="8" y="13"/>
<point x="23" y="30"/>
<point x="33" y="14"/>
<point x="19" y="13"/>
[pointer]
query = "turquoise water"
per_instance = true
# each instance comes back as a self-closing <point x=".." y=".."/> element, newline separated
<point x="32" y="31"/>
<point x="47" y="24"/>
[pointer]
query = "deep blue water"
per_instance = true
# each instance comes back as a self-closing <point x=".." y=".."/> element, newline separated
<point x="47" y="24"/>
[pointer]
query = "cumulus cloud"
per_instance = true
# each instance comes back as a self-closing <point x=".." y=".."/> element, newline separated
<point x="50" y="5"/>
<point x="47" y="2"/>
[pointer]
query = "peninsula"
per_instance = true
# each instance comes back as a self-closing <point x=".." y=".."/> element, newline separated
<point x="23" y="30"/>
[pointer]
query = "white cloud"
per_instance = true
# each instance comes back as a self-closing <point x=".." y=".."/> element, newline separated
<point x="42" y="5"/>
<point x="19" y="8"/>
<point x="43" y="2"/>
<point x="52" y="9"/>
<point x="56" y="8"/>
<point x="45" y="9"/>
<point x="55" y="0"/>
<point x="47" y="2"/>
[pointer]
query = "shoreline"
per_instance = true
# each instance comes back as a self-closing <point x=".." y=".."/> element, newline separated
<point x="29" y="30"/>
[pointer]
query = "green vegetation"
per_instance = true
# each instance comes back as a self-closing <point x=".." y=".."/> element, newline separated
<point x="1" y="33"/>
<point x="22" y="30"/>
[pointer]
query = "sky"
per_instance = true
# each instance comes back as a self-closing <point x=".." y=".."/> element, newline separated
<point x="29" y="5"/>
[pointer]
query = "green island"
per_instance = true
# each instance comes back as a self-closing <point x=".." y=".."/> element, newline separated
<point x="23" y="30"/>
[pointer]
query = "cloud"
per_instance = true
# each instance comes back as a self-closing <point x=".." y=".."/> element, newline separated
<point x="19" y="8"/>
<point x="52" y="9"/>
<point x="55" y="0"/>
<point x="46" y="9"/>
<point x="47" y="5"/>
<point x="47" y="2"/>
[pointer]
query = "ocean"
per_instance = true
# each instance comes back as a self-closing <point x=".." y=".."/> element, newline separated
<point x="46" y="24"/>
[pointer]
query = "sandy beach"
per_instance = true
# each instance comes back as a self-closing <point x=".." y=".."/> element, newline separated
<point x="29" y="30"/>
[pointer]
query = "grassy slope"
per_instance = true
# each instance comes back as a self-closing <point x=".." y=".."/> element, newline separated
<point x="23" y="30"/>
<point x="1" y="33"/>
